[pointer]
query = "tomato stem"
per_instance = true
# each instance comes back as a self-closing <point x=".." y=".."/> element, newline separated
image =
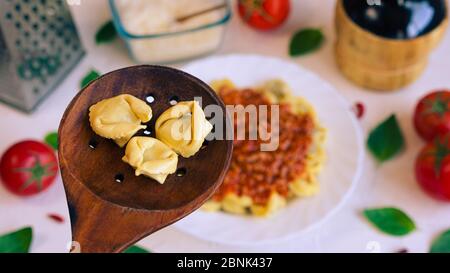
<point x="436" y="105"/>
<point x="440" y="153"/>
<point x="37" y="173"/>
<point x="255" y="6"/>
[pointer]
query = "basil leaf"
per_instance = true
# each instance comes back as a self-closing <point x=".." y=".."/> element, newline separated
<point x="136" y="249"/>
<point x="106" y="33"/>
<point x="90" y="76"/>
<point x="390" y="220"/>
<point x="305" y="41"/>
<point x="386" y="140"/>
<point x="16" y="242"/>
<point x="52" y="140"/>
<point x="442" y="243"/>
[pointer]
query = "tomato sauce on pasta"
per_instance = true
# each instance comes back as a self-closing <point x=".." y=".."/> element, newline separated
<point x="255" y="173"/>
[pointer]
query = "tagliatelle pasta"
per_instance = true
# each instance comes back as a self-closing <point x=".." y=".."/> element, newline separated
<point x="119" y="118"/>
<point x="260" y="183"/>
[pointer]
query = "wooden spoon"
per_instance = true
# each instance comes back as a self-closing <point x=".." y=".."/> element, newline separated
<point x="111" y="208"/>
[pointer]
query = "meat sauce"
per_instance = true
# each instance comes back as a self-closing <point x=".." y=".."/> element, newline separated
<point x="256" y="173"/>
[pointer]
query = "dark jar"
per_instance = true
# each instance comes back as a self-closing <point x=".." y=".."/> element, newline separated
<point x="397" y="19"/>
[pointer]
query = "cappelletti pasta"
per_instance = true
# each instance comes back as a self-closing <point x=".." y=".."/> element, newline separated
<point x="151" y="157"/>
<point x="260" y="183"/>
<point x="180" y="129"/>
<point x="119" y="118"/>
<point x="183" y="128"/>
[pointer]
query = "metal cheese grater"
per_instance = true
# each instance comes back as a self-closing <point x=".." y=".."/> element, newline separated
<point x="39" y="45"/>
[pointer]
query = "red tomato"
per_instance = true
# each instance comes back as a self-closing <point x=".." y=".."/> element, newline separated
<point x="433" y="168"/>
<point x="432" y="115"/>
<point x="28" y="167"/>
<point x="264" y="14"/>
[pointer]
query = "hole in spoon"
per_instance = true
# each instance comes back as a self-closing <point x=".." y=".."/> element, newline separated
<point x="93" y="144"/>
<point x="150" y="98"/>
<point x="173" y="100"/>
<point x="119" y="178"/>
<point x="181" y="172"/>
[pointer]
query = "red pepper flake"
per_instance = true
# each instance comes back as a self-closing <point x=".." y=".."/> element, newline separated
<point x="55" y="217"/>
<point x="359" y="109"/>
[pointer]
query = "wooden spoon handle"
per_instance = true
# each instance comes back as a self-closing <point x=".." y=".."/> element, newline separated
<point x="99" y="226"/>
<point x="93" y="235"/>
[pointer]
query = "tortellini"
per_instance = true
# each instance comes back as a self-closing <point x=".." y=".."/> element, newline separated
<point x="151" y="158"/>
<point x="119" y="118"/>
<point x="183" y="127"/>
<point x="179" y="130"/>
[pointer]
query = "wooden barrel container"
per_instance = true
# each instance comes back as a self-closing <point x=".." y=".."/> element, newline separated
<point x="379" y="63"/>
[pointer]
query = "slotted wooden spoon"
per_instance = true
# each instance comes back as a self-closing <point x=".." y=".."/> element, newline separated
<point x="111" y="208"/>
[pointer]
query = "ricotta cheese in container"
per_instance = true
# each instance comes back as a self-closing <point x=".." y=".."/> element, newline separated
<point x="154" y="35"/>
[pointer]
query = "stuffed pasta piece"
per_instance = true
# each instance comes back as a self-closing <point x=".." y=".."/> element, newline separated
<point x="119" y="118"/>
<point x="183" y="128"/>
<point x="150" y="157"/>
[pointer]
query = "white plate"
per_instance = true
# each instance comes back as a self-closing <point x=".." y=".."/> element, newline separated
<point x="344" y="147"/>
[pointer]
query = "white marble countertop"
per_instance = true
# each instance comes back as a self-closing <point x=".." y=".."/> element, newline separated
<point x="390" y="184"/>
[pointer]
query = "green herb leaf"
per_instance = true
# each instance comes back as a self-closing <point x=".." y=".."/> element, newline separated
<point x="306" y="41"/>
<point x="52" y="140"/>
<point x="442" y="243"/>
<point x="386" y="140"/>
<point x="16" y="242"/>
<point x="136" y="249"/>
<point x="390" y="220"/>
<point x="106" y="33"/>
<point x="90" y="76"/>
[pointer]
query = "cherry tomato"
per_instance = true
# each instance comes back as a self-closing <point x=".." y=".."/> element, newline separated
<point x="28" y="167"/>
<point x="264" y="14"/>
<point x="432" y="115"/>
<point x="433" y="168"/>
